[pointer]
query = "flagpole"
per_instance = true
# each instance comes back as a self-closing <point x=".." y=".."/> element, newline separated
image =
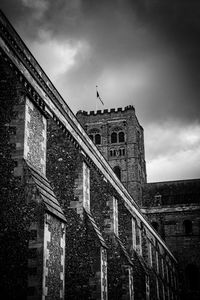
<point x="99" y="96"/>
<point x="96" y="99"/>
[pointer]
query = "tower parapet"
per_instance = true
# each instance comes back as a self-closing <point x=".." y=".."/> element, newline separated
<point x="105" y="111"/>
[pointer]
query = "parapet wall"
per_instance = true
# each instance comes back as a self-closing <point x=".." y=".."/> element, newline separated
<point x="105" y="111"/>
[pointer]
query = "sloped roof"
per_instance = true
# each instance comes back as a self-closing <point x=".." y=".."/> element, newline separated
<point x="123" y="249"/>
<point x="172" y="192"/>
<point x="45" y="190"/>
<point x="96" y="229"/>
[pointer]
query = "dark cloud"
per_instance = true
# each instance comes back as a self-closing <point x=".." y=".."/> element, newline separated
<point x="125" y="33"/>
<point x="140" y="52"/>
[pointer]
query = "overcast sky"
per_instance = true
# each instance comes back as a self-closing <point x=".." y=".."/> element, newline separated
<point x="141" y="52"/>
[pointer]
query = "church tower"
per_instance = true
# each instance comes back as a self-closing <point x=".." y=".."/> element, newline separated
<point x="119" y="137"/>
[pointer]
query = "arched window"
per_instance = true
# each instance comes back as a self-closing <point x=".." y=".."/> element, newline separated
<point x="97" y="139"/>
<point x="192" y="277"/>
<point x="155" y="225"/>
<point x="117" y="171"/>
<point x="121" y="152"/>
<point x="111" y="153"/>
<point x="121" y="137"/>
<point x="114" y="137"/>
<point x="187" y="225"/>
<point x="114" y="152"/>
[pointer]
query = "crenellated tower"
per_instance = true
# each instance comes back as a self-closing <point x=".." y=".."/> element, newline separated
<point x="119" y="137"/>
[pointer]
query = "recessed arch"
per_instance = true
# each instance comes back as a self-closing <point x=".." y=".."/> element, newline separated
<point x="121" y="137"/>
<point x="113" y="137"/>
<point x="97" y="139"/>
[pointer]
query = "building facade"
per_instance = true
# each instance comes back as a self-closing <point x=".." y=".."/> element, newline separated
<point x="69" y="227"/>
<point x="173" y="207"/>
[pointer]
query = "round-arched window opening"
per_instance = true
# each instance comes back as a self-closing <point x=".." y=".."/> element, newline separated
<point x="117" y="171"/>
<point x="187" y="225"/>
<point x="114" y="137"/>
<point x="121" y="137"/>
<point x="192" y="277"/>
<point x="155" y="225"/>
<point x="97" y="139"/>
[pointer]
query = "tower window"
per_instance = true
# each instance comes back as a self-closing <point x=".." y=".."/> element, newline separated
<point x="121" y="137"/>
<point x="94" y="135"/>
<point x="114" y="137"/>
<point x="117" y="171"/>
<point x="97" y="139"/>
<point x="187" y="225"/>
<point x="113" y="152"/>
<point x="121" y="152"/>
<point x="117" y="137"/>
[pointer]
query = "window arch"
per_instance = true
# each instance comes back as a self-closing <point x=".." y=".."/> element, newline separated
<point x="117" y="171"/>
<point x="114" y="137"/>
<point x="192" y="276"/>
<point x="121" y="137"/>
<point x="94" y="130"/>
<point x="187" y="225"/>
<point x="97" y="139"/>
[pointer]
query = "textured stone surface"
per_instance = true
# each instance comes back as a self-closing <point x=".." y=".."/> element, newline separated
<point x="64" y="165"/>
<point x="54" y="267"/>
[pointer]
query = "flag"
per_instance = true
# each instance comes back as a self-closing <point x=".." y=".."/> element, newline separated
<point x="99" y="97"/>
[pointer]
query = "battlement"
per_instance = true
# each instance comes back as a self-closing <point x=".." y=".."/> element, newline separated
<point x="105" y="111"/>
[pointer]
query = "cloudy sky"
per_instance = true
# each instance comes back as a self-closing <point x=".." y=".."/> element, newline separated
<point x="141" y="52"/>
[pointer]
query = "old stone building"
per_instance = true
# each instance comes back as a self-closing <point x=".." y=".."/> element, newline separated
<point x="119" y="137"/>
<point x="173" y="208"/>
<point x="69" y="227"/>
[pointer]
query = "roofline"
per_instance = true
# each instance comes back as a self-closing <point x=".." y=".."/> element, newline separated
<point x="21" y="57"/>
<point x="174" y="181"/>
